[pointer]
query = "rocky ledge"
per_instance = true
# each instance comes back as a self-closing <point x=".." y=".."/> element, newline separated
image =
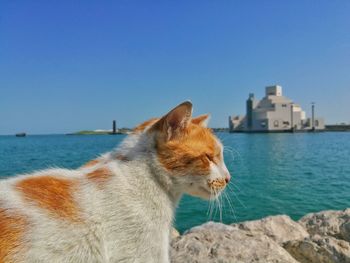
<point x="322" y="237"/>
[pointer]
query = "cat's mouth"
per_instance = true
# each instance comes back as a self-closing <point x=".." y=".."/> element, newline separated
<point x="212" y="189"/>
<point x="211" y="192"/>
<point x="217" y="185"/>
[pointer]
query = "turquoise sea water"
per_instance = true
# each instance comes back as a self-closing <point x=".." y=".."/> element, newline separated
<point x="272" y="174"/>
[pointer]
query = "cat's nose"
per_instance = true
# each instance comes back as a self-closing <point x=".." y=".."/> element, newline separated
<point x="227" y="178"/>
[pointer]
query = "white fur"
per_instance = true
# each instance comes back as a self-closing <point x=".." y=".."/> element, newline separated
<point x="129" y="220"/>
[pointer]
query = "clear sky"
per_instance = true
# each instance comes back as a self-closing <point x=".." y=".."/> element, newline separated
<point x="74" y="65"/>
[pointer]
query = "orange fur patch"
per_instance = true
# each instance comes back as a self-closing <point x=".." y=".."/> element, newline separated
<point x="12" y="227"/>
<point x="91" y="163"/>
<point x="100" y="175"/>
<point x="217" y="184"/>
<point x="191" y="152"/>
<point x="50" y="193"/>
<point x="140" y="128"/>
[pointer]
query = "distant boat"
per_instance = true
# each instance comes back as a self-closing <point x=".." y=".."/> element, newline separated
<point x="21" y="134"/>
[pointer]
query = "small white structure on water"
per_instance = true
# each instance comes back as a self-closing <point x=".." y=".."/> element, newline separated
<point x="274" y="113"/>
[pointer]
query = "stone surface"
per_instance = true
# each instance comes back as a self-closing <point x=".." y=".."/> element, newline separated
<point x="319" y="250"/>
<point x="316" y="238"/>
<point x="280" y="228"/>
<point x="215" y="242"/>
<point x="345" y="230"/>
<point x="328" y="223"/>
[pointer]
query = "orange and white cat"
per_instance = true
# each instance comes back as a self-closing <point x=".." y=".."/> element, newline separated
<point x="119" y="207"/>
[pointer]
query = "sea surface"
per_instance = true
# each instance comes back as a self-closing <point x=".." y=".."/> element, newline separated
<point x="272" y="174"/>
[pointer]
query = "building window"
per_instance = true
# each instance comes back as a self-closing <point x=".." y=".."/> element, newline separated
<point x="286" y="123"/>
<point x="275" y="123"/>
<point x="316" y="123"/>
<point x="284" y="105"/>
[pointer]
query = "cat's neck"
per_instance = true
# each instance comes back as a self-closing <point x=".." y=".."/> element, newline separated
<point x="165" y="181"/>
<point x="139" y="149"/>
<point x="135" y="145"/>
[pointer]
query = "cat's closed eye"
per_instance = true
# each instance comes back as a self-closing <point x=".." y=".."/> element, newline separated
<point x="209" y="157"/>
<point x="189" y="161"/>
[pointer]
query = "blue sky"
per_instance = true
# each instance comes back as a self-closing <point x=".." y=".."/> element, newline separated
<point x="73" y="65"/>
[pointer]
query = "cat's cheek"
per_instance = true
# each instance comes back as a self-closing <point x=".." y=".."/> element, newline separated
<point x="200" y="192"/>
<point x="197" y="186"/>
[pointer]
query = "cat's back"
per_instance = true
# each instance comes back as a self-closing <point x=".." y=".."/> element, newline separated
<point x="42" y="213"/>
<point x="60" y="215"/>
<point x="86" y="215"/>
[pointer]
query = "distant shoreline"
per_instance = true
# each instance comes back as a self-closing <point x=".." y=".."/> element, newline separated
<point x="328" y="128"/>
<point x="101" y="132"/>
<point x="125" y="131"/>
<point x="338" y="127"/>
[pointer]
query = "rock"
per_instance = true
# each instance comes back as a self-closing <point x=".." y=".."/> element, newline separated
<point x="345" y="230"/>
<point x="316" y="238"/>
<point x="280" y="228"/>
<point x="328" y="223"/>
<point x="319" y="250"/>
<point x="216" y="242"/>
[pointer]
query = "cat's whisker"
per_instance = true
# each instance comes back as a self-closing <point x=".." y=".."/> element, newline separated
<point x="211" y="210"/>
<point x="233" y="150"/>
<point x="239" y="200"/>
<point x="234" y="154"/>
<point x="210" y="206"/>
<point x="224" y="202"/>
<point x="224" y="193"/>
<point x="216" y="203"/>
<point x="220" y="207"/>
<point x="230" y="205"/>
<point x="234" y="187"/>
<point x="231" y="153"/>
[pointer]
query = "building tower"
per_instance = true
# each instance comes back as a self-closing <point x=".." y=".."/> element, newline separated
<point x="250" y="107"/>
<point x="114" y="131"/>
<point x="313" y="116"/>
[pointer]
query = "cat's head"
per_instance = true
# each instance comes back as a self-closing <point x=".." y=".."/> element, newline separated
<point x="189" y="151"/>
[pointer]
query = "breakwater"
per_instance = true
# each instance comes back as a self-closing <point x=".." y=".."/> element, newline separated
<point x="316" y="238"/>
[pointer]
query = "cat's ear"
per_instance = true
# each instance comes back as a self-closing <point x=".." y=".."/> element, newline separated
<point x="174" y="123"/>
<point x="202" y="120"/>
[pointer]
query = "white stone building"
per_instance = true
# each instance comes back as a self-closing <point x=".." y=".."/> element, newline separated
<point x="274" y="113"/>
